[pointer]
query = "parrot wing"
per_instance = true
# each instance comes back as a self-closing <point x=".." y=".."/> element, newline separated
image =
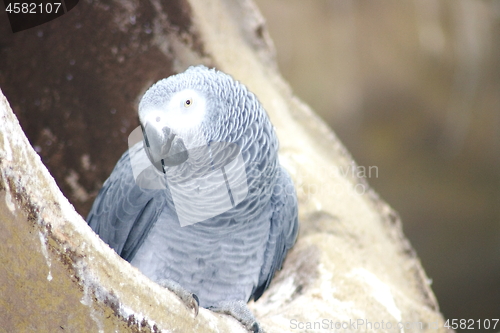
<point x="283" y="231"/>
<point x="123" y="213"/>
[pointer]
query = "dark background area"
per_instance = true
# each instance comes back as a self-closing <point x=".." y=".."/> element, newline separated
<point x="413" y="88"/>
<point x="73" y="83"/>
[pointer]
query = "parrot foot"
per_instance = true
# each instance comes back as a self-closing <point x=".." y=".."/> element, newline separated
<point x="189" y="299"/>
<point x="240" y="311"/>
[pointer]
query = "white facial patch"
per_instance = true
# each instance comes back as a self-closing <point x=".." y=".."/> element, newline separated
<point x="186" y="110"/>
<point x="183" y="114"/>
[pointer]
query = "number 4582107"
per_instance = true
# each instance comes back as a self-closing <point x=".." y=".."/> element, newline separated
<point x="471" y="324"/>
<point x="33" y="8"/>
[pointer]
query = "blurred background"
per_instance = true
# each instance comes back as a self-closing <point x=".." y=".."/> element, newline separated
<point x="413" y="87"/>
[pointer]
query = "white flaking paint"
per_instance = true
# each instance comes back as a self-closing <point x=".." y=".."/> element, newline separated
<point x="6" y="147"/>
<point x="85" y="160"/>
<point x="8" y="201"/>
<point x="43" y="241"/>
<point x="126" y="312"/>
<point x="284" y="292"/>
<point x="379" y="290"/>
<point x="78" y="190"/>
<point x="87" y="283"/>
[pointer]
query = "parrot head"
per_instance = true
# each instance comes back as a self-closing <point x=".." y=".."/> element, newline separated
<point x="183" y="112"/>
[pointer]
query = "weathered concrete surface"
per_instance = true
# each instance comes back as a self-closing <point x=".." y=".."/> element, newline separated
<point x="351" y="260"/>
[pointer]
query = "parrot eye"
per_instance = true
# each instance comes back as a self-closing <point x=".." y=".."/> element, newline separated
<point x="188" y="102"/>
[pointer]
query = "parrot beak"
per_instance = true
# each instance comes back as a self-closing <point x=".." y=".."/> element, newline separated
<point x="163" y="147"/>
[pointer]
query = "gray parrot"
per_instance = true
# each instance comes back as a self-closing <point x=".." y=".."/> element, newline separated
<point x="201" y="204"/>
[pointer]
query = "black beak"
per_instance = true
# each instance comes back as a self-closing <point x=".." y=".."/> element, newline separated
<point x="165" y="148"/>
